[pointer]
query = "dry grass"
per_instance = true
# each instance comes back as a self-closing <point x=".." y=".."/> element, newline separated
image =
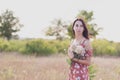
<point x="19" y="67"/>
<point x="107" y="68"/>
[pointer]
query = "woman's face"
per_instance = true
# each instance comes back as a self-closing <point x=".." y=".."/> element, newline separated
<point x="78" y="27"/>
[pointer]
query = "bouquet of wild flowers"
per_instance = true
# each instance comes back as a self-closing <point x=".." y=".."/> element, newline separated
<point x="78" y="51"/>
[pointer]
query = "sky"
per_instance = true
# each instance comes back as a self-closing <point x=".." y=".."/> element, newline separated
<point x="37" y="15"/>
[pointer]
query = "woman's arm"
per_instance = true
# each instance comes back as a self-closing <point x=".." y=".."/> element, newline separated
<point x="89" y="53"/>
<point x="70" y="53"/>
<point x="87" y="61"/>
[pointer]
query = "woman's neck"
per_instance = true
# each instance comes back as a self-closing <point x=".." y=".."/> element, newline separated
<point x="79" y="37"/>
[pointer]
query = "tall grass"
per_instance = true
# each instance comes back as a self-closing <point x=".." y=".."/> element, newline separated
<point x="14" y="66"/>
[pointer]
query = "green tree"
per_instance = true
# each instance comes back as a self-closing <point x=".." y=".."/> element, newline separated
<point x="92" y="27"/>
<point x="58" y="29"/>
<point x="9" y="25"/>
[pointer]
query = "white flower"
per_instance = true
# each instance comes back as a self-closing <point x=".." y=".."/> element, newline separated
<point x="78" y="49"/>
<point x="77" y="66"/>
<point x="78" y="78"/>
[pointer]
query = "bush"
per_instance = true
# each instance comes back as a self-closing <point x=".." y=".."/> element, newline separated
<point x="3" y="45"/>
<point x="101" y="47"/>
<point x="40" y="47"/>
<point x="104" y="47"/>
<point x="61" y="45"/>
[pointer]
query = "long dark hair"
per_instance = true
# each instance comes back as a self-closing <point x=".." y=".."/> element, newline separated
<point x="85" y="32"/>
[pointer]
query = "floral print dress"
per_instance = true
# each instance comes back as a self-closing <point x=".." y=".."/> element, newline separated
<point x="79" y="71"/>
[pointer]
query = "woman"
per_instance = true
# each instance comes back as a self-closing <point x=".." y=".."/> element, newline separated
<point x="79" y="66"/>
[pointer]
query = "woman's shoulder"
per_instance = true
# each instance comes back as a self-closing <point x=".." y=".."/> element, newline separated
<point x="88" y="44"/>
<point x="85" y="41"/>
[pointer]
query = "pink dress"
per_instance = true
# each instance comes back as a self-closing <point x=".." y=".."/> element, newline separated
<point x="79" y="71"/>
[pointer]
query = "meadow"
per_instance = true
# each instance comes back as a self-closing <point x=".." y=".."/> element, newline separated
<point x="14" y="66"/>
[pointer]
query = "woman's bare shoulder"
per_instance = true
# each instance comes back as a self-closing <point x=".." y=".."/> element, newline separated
<point x="87" y="44"/>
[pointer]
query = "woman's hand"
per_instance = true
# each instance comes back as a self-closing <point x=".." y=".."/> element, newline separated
<point x="70" y="54"/>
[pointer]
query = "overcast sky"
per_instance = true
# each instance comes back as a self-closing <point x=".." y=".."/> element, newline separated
<point x="36" y="15"/>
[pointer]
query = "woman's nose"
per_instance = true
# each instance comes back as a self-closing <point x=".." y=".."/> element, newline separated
<point x="78" y="27"/>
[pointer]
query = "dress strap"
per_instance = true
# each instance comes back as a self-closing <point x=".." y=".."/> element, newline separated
<point x="83" y="43"/>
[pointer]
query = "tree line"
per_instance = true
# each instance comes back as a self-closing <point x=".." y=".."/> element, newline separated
<point x="10" y="24"/>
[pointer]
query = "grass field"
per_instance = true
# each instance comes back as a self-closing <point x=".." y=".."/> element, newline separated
<point x="14" y="66"/>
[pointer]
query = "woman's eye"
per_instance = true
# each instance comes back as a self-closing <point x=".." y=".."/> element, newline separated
<point x="76" y="25"/>
<point x="81" y="25"/>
